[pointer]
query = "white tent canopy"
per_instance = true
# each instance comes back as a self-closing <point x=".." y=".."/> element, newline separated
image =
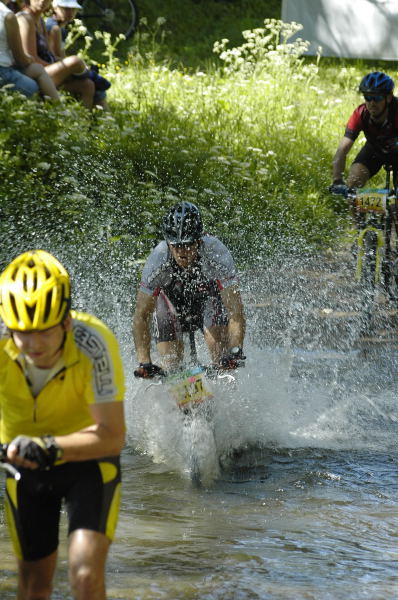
<point x="347" y="29"/>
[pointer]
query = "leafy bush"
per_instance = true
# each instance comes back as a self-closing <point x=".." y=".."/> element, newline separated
<point x="249" y="139"/>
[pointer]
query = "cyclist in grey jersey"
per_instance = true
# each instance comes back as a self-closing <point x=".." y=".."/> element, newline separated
<point x="215" y="259"/>
<point x="189" y="282"/>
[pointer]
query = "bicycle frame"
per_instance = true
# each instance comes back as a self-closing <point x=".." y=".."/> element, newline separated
<point x="374" y="211"/>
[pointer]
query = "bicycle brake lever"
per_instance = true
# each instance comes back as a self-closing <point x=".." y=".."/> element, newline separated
<point x="6" y="466"/>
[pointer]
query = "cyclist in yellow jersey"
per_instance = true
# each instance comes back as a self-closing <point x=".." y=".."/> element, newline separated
<point x="61" y="415"/>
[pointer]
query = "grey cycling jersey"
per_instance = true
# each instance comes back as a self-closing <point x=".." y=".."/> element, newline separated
<point x="214" y="259"/>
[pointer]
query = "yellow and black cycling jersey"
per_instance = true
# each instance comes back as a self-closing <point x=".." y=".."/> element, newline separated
<point x="91" y="372"/>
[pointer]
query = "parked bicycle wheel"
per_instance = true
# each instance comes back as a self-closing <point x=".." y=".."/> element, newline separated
<point x="113" y="16"/>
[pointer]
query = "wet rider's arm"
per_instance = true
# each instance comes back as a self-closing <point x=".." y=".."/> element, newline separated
<point x="145" y="306"/>
<point x="339" y="159"/>
<point x="232" y="301"/>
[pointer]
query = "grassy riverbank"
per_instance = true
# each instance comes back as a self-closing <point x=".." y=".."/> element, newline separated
<point x="249" y="136"/>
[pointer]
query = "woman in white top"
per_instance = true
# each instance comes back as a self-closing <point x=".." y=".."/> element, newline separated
<point x="69" y="72"/>
<point x="17" y="69"/>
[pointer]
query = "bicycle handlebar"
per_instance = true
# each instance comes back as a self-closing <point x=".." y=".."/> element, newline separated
<point x="6" y="466"/>
<point x="342" y="189"/>
<point x="351" y="192"/>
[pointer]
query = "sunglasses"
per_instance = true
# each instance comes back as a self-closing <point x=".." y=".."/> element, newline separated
<point x="373" y="98"/>
<point x="182" y="245"/>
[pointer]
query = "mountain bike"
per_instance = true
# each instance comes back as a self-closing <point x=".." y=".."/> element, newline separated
<point x="192" y="389"/>
<point x="113" y="16"/>
<point x="375" y="246"/>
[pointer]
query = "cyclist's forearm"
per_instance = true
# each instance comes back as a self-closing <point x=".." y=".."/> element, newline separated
<point x="142" y="340"/>
<point x="104" y="438"/>
<point x="339" y="167"/>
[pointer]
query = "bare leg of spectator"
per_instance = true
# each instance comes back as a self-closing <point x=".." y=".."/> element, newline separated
<point x="46" y="84"/>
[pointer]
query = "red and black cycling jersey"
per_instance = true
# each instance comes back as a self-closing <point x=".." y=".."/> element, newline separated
<point x="383" y="137"/>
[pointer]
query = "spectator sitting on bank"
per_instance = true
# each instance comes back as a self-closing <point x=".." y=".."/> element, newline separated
<point x="16" y="67"/>
<point x="70" y="72"/>
<point x="64" y="12"/>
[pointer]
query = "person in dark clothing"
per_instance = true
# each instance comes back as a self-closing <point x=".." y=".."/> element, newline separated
<point x="377" y="118"/>
<point x="189" y="282"/>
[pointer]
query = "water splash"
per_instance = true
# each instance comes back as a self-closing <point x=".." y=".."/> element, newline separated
<point x="305" y="383"/>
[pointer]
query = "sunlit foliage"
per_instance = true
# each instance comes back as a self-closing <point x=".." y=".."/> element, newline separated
<point x="250" y="139"/>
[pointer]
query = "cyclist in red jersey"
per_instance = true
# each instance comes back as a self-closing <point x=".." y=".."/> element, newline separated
<point x="378" y="119"/>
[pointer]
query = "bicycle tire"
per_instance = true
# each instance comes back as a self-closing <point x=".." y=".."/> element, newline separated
<point x="390" y="263"/>
<point x="111" y="16"/>
<point x="368" y="282"/>
<point x="202" y="458"/>
<point x="390" y="274"/>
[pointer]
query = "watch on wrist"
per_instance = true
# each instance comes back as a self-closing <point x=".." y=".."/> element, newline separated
<point x="54" y="450"/>
<point x="236" y="350"/>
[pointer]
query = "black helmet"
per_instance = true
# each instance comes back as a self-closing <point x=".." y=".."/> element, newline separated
<point x="376" y="83"/>
<point x="183" y="224"/>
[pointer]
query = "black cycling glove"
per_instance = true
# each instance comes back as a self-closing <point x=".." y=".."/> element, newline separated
<point x="148" y="370"/>
<point x="43" y="450"/>
<point x="339" y="188"/>
<point x="233" y="359"/>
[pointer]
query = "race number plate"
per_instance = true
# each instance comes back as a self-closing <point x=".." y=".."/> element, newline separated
<point x="371" y="200"/>
<point x="188" y="387"/>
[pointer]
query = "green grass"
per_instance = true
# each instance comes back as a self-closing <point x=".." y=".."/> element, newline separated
<point x="249" y="137"/>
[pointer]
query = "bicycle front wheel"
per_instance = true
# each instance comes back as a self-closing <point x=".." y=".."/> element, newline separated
<point x="112" y="16"/>
<point x="368" y="282"/>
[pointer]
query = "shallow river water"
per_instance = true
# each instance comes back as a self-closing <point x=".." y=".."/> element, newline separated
<point x="300" y="493"/>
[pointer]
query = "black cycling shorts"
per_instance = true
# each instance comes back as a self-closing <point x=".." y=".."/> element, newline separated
<point x="169" y="325"/>
<point x="374" y="160"/>
<point x="89" y="489"/>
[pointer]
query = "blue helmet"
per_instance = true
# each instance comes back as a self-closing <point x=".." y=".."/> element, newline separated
<point x="376" y="83"/>
<point x="183" y="224"/>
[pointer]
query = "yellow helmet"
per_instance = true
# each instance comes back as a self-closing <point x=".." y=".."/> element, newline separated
<point x="34" y="292"/>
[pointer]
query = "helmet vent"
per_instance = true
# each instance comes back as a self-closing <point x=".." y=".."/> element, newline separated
<point x="64" y="300"/>
<point x="31" y="312"/>
<point x="47" y="308"/>
<point x="27" y="279"/>
<point x="14" y="307"/>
